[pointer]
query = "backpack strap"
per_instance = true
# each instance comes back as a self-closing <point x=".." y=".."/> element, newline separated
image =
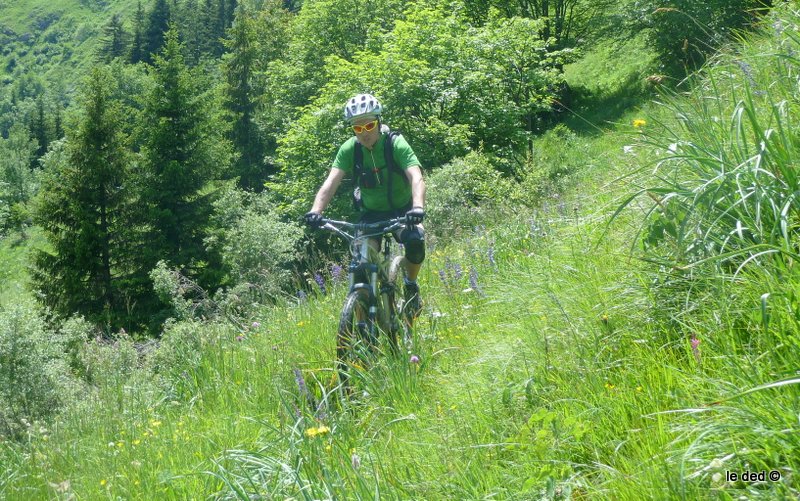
<point x="358" y="168"/>
<point x="391" y="167"/>
<point x="388" y="155"/>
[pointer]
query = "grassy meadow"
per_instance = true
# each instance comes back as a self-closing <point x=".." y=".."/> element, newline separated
<point x="598" y="346"/>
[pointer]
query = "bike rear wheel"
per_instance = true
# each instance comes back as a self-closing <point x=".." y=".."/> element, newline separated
<point x="353" y="340"/>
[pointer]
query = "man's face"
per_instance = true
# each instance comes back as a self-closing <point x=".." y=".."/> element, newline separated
<point x="368" y="137"/>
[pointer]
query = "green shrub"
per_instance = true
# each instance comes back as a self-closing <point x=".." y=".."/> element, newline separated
<point x="458" y="192"/>
<point x="685" y="32"/>
<point x="109" y="363"/>
<point x="555" y="156"/>
<point x="179" y="356"/>
<point x="260" y="250"/>
<point x="185" y="297"/>
<point x="35" y="380"/>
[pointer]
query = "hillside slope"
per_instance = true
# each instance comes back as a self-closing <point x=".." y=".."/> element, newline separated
<point x="54" y="40"/>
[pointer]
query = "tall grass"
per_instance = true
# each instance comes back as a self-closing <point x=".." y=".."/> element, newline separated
<point x="549" y="363"/>
<point x="725" y="182"/>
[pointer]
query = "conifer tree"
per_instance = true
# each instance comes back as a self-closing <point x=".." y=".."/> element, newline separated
<point x="157" y="25"/>
<point x="209" y="25"/>
<point x="191" y="27"/>
<point x="241" y="100"/>
<point x="230" y="12"/>
<point x="58" y="126"/>
<point x="220" y="20"/>
<point x="114" y="42"/>
<point x="39" y="131"/>
<point x="80" y="208"/>
<point x="137" y="46"/>
<point x="183" y="149"/>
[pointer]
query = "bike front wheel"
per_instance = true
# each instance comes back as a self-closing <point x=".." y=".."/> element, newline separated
<point x="354" y="336"/>
<point x="400" y="320"/>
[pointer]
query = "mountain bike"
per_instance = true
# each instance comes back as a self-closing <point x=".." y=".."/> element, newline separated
<point x="373" y="305"/>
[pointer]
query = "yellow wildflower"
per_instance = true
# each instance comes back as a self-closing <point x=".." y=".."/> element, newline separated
<point x="103" y="482"/>
<point x="639" y="123"/>
<point x="313" y="431"/>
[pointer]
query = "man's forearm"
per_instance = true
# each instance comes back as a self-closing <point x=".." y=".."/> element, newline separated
<point x="418" y="194"/>
<point x="322" y="199"/>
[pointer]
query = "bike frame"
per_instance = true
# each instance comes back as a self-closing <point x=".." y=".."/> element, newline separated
<point x="367" y="262"/>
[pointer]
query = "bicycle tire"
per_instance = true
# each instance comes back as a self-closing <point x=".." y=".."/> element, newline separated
<point x="353" y="334"/>
<point x="401" y="322"/>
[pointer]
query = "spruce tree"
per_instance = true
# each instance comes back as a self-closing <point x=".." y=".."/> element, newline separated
<point x="230" y="12"/>
<point x="212" y="23"/>
<point x="114" y="42"/>
<point x="183" y="149"/>
<point x="137" y="46"/>
<point x="157" y="25"/>
<point x="80" y="209"/>
<point x="39" y="130"/>
<point x="191" y="27"/>
<point x="58" y="127"/>
<point x="241" y="96"/>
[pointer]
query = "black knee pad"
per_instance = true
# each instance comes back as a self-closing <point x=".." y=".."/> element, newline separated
<point x="413" y="239"/>
<point x="415" y="251"/>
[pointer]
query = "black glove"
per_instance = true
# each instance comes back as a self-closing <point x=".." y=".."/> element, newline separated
<point x="313" y="219"/>
<point x="415" y="216"/>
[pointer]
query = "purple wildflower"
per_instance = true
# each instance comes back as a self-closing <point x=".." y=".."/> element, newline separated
<point x="301" y="295"/>
<point x="457" y="272"/>
<point x="256" y="325"/>
<point x="337" y="273"/>
<point x="240" y="338"/>
<point x="301" y="382"/>
<point x="443" y="277"/>
<point x="320" y="281"/>
<point x="414" y="359"/>
<point x="473" y="281"/>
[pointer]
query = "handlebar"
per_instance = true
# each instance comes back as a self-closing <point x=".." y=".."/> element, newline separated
<point x="363" y="229"/>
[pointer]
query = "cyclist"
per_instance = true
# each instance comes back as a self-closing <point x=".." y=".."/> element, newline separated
<point x="386" y="192"/>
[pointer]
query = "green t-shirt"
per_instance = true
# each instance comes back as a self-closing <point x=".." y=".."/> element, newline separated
<point x="377" y="198"/>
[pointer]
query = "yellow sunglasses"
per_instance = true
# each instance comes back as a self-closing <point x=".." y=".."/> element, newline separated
<point x="358" y="129"/>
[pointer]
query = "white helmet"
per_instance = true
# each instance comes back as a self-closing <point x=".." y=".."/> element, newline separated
<point x="362" y="105"/>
